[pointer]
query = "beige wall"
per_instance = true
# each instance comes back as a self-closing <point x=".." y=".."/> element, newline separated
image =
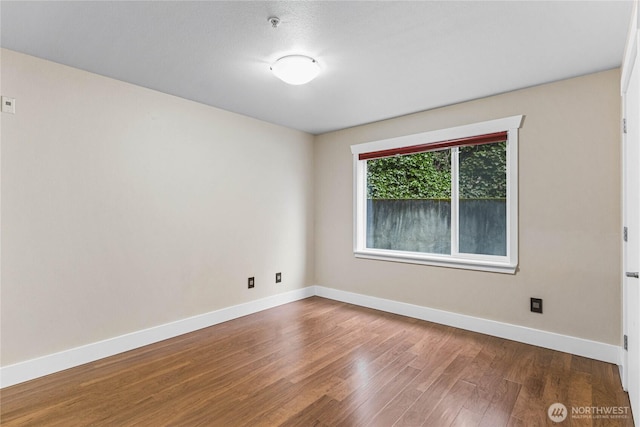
<point x="125" y="208"/>
<point x="569" y="239"/>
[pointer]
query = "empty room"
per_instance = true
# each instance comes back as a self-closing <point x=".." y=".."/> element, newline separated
<point x="319" y="213"/>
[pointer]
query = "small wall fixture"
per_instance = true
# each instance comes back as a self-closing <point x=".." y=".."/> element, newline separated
<point x="296" y="69"/>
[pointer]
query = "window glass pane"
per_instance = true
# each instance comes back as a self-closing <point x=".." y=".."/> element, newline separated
<point x="483" y="199"/>
<point x="409" y="202"/>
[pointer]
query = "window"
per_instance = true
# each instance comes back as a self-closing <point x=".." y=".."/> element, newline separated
<point x="447" y="197"/>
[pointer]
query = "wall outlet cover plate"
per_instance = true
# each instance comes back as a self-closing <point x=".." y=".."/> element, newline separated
<point x="8" y="105"/>
<point x="536" y="305"/>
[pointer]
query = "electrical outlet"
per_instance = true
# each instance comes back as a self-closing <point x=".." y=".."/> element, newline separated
<point x="252" y="282"/>
<point x="278" y="277"/>
<point x="8" y="105"/>
<point x="536" y="305"/>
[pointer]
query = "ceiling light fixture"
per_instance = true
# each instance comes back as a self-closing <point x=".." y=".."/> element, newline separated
<point x="296" y="69"/>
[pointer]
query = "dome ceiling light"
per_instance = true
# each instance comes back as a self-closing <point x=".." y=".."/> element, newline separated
<point x="294" y="69"/>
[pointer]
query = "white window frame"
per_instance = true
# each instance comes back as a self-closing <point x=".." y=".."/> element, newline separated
<point x="500" y="264"/>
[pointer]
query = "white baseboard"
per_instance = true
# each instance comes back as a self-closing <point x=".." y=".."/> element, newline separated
<point x="45" y="365"/>
<point x="565" y="343"/>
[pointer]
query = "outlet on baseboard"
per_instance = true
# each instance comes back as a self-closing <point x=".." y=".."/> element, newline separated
<point x="252" y="282"/>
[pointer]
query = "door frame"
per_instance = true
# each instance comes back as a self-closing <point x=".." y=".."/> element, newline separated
<point x="630" y="65"/>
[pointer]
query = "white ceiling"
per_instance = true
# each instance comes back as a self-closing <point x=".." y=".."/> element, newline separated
<point x="379" y="59"/>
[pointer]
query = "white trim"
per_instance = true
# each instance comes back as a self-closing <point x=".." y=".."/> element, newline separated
<point x="480" y="128"/>
<point x="630" y="49"/>
<point x="628" y="63"/>
<point x="455" y="202"/>
<point x="565" y="343"/>
<point x="435" y="260"/>
<point x="49" y="364"/>
<point x="45" y="365"/>
<point x="359" y="204"/>
<point x="512" y="197"/>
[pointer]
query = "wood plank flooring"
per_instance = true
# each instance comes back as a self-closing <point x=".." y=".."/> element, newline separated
<point x="318" y="362"/>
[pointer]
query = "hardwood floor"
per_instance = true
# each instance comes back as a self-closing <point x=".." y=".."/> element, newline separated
<point x="318" y="362"/>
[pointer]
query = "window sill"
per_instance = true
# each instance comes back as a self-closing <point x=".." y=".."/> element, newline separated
<point x="445" y="261"/>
